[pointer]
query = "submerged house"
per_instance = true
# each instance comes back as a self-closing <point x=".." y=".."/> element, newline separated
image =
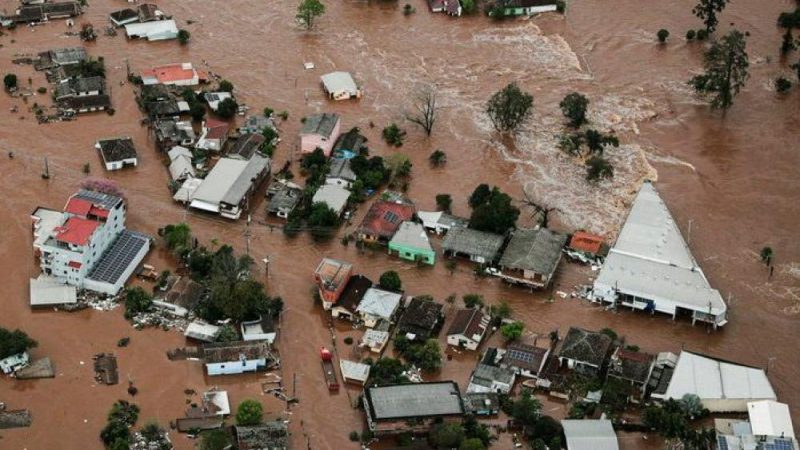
<point x="170" y="132"/>
<point x="491" y="379"/>
<point x="421" y="319"/>
<point x="378" y="304"/>
<point x="340" y="173"/>
<point x="229" y="358"/>
<point x="590" y="435"/>
<point x="319" y="131"/>
<point x="261" y="329"/>
<point x="411" y="242"/>
<point x="283" y="198"/>
<point x="213" y="136"/>
<point x="440" y="222"/>
<point x="79" y="87"/>
<point x="180" y="165"/>
<point x="383" y="220"/>
<point x="632" y="367"/>
<point x="335" y="197"/>
<point x="531" y="257"/>
<point x="117" y="153"/>
<point x="525" y="360"/>
<point x="179" y="74"/>
<point x="650" y="267"/>
<point x="585" y="352"/>
<point x="350" y="144"/>
<point x="340" y="86"/>
<point x="226" y="190"/>
<point x="514" y="8"/>
<point x="479" y="246"/>
<point x="159" y="30"/>
<point x="350" y="298"/>
<point x="412" y="407"/>
<point x="272" y="435"/>
<point x="449" y="7"/>
<point x="468" y="329"/>
<point x="45" y="11"/>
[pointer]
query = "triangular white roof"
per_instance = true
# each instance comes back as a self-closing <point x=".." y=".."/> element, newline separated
<point x="379" y="303"/>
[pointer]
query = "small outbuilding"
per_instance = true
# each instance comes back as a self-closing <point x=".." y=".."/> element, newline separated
<point x="261" y="329"/>
<point x="332" y="195"/>
<point x="377" y="305"/>
<point x="340" y="86"/>
<point x="159" y="30"/>
<point x="117" y="152"/>
<point x="354" y="372"/>
<point x="590" y="435"/>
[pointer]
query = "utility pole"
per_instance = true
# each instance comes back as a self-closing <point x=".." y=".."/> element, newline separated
<point x="247" y="235"/>
<point x="689" y="232"/>
<point x="266" y="267"/>
<point x="46" y="174"/>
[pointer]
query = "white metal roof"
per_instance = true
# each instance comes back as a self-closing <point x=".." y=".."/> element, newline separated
<point x="430" y="219"/>
<point x="332" y="195"/>
<point x="219" y="181"/>
<point x="712" y="379"/>
<point x="180" y="167"/>
<point x="187" y="190"/>
<point x="770" y="418"/>
<point x="590" y="435"/>
<point x="47" y="291"/>
<point x="220" y="400"/>
<point x="156" y="30"/>
<point x="354" y="370"/>
<point x="379" y="303"/>
<point x="339" y="82"/>
<point x="202" y="331"/>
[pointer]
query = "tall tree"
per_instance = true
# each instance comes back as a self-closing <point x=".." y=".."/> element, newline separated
<point x="726" y="65"/>
<point x="509" y="107"/>
<point x="574" y="108"/>
<point x="707" y="10"/>
<point x="250" y="412"/>
<point x="424" y="108"/>
<point x="308" y="11"/>
<point x="13" y="342"/>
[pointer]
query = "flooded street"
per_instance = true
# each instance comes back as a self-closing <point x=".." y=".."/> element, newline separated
<point x="733" y="177"/>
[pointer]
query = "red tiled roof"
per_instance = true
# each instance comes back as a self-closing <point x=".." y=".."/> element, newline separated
<point x="586" y="242"/>
<point x="99" y="212"/>
<point x="217" y="129"/>
<point x="171" y="72"/>
<point x="74" y="264"/>
<point x="78" y="206"/>
<point x="384" y="218"/>
<point x="76" y="230"/>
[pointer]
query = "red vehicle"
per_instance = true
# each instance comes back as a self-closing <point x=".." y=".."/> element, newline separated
<point x="328" y="370"/>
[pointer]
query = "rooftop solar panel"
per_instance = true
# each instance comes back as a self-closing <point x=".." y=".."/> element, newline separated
<point x="118" y="257"/>
<point x="722" y="443"/>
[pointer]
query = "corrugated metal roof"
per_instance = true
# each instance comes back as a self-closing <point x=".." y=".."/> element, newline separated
<point x="770" y="418"/>
<point x="415" y="400"/>
<point x="590" y="435"/>
<point x="712" y="379"/>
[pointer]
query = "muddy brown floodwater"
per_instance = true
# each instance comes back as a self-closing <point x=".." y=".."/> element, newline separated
<point x="734" y="178"/>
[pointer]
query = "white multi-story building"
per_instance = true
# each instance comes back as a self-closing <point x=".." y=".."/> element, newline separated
<point x="88" y="246"/>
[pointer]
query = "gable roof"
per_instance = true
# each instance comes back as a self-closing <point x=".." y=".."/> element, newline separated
<point x="420" y="315"/>
<point x="524" y="356"/>
<point x="379" y="303"/>
<point x="354" y="292"/>
<point x="583" y="241"/>
<point x="332" y="195"/>
<point x="320" y="124"/>
<point x="413" y="235"/>
<point x="770" y="418"/>
<point x="469" y="322"/>
<point x="76" y="230"/>
<point x="711" y="378"/>
<point x="590" y="435"/>
<point x="538" y="250"/>
<point x="484" y="375"/>
<point x="351" y="141"/>
<point x="339" y="82"/>
<point x="233" y="351"/>
<point x="171" y="73"/>
<point x="215" y="129"/>
<point x="631" y="365"/>
<point x="384" y="218"/>
<point x="585" y="346"/>
<point x="340" y="168"/>
<point x="75" y="86"/>
<point x="117" y="149"/>
<point x="473" y="242"/>
<point x="247" y="145"/>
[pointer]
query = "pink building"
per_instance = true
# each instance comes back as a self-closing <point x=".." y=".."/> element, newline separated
<point x="320" y="131"/>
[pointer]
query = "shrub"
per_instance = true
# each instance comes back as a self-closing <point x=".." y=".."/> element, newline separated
<point x="250" y="412"/>
<point x="10" y="81"/>
<point x="438" y="158"/>
<point x="394" y="135"/>
<point x="42" y="90"/>
<point x="227" y="108"/>
<point x="408" y="9"/>
<point x="184" y="36"/>
<point x="662" y="35"/>
<point x="225" y="86"/>
<point x="348" y="340"/>
<point x="702" y="34"/>
<point x="561" y="6"/>
<point x="690" y="35"/>
<point x="390" y="280"/>
<point x="782" y="84"/>
<point x="443" y="202"/>
<point x="354" y="436"/>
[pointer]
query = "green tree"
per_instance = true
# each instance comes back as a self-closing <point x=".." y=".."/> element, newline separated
<point x="475" y="430"/>
<point x="574" y="108"/>
<point x="668" y="419"/>
<point x="469" y="6"/>
<point x="598" y="168"/>
<point x="471" y="444"/>
<point x="227" y="333"/>
<point x="571" y="143"/>
<point x="547" y="428"/>
<point x="539" y="444"/>
<point x="91" y="67"/>
<point x="225" y="86"/>
<point x="250" y="412"/>
<point x="137" y="300"/>
<point x="662" y="35"/>
<point x="726" y="70"/>
<point x="495" y="215"/>
<point x="444" y="202"/>
<point x="308" y="11"/>
<point x="10" y="81"/>
<point x="427" y="356"/>
<point x="227" y="108"/>
<point x="323" y="220"/>
<point x="390" y="280"/>
<point x="387" y="371"/>
<point x="399" y="165"/>
<point x="178" y="238"/>
<point x="500" y="311"/>
<point x="116" y="435"/>
<point x="197" y="111"/>
<point x="14" y="342"/>
<point x="447" y="435"/>
<point x="509" y="108"/>
<point x="184" y="36"/>
<point x="473" y="300"/>
<point x="766" y="255"/>
<point x="512" y="331"/>
<point x="527" y="410"/>
<point x="480" y="195"/>
<point x="597" y="141"/>
<point x="707" y="10"/>
<point x="610" y="333"/>
<point x="214" y="440"/>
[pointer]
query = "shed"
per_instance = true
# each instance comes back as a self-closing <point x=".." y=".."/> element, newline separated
<point x="354" y="372"/>
<point x="47" y="292"/>
<point x="332" y="195"/>
<point x="590" y="435"/>
<point x="375" y="340"/>
<point x="340" y="86"/>
<point x="261" y="329"/>
<point x="202" y="331"/>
